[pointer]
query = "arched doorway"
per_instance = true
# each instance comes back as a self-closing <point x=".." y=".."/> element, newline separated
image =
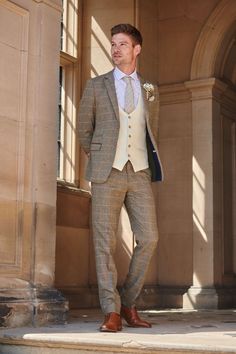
<point x="213" y="93"/>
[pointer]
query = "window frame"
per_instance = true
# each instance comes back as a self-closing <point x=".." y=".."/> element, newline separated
<point x="68" y="147"/>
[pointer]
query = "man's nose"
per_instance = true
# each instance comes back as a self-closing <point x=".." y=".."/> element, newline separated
<point x="116" y="49"/>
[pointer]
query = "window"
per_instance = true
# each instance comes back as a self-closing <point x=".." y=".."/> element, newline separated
<point x="67" y="169"/>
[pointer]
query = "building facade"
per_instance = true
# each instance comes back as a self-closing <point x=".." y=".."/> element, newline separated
<point x="46" y="253"/>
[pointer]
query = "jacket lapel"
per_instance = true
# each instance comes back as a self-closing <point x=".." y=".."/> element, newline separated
<point x="146" y="110"/>
<point x="111" y="90"/>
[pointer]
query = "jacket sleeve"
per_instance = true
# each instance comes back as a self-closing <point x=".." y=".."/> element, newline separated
<point x="86" y="116"/>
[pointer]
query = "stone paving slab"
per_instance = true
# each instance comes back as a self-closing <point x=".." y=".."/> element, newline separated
<point x="172" y="331"/>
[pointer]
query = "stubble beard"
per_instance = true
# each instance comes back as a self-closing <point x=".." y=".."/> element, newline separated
<point x="117" y="60"/>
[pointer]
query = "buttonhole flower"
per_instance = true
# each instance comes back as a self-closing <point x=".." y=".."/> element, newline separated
<point x="149" y="88"/>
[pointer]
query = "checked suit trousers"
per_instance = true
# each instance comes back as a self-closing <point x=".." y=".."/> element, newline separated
<point x="134" y="190"/>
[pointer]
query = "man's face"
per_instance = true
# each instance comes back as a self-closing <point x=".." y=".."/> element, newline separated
<point x="123" y="51"/>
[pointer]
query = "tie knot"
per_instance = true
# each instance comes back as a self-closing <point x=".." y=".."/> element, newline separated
<point x="127" y="79"/>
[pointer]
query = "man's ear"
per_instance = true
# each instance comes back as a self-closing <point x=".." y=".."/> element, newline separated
<point x="137" y="49"/>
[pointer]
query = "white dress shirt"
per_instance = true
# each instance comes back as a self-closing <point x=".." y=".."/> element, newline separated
<point x="120" y="86"/>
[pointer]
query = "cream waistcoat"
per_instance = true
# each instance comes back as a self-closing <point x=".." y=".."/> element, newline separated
<point x="131" y="145"/>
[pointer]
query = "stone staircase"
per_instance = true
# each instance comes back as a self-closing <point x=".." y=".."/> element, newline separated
<point x="173" y="331"/>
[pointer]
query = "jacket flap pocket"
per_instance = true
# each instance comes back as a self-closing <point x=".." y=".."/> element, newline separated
<point x="95" y="146"/>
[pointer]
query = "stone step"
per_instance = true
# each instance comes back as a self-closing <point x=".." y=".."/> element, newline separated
<point x="46" y="348"/>
<point x="173" y="332"/>
<point x="130" y="347"/>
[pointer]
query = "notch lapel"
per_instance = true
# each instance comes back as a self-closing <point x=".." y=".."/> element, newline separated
<point x="111" y="90"/>
<point x="146" y="110"/>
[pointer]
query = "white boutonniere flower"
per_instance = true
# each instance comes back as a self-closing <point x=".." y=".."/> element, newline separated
<point x="149" y="88"/>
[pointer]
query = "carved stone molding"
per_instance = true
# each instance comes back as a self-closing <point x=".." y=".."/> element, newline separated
<point x="206" y="88"/>
<point x="211" y="38"/>
<point x="216" y="89"/>
<point x="55" y="4"/>
<point x="172" y="94"/>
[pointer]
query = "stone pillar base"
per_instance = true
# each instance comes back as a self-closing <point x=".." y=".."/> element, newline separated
<point x="29" y="306"/>
<point x="209" y="298"/>
<point x="161" y="297"/>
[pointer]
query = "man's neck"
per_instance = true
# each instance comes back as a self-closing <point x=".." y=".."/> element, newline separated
<point x="128" y="70"/>
<point x="121" y="73"/>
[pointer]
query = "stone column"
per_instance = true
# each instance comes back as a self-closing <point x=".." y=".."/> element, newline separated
<point x="207" y="193"/>
<point x="29" y="44"/>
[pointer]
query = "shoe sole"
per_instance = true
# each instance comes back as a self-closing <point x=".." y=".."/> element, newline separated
<point x="136" y="326"/>
<point x="110" y="330"/>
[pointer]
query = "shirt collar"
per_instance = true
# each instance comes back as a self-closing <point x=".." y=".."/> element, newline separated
<point x="119" y="74"/>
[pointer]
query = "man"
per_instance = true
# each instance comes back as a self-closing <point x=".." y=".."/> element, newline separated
<point x="117" y="129"/>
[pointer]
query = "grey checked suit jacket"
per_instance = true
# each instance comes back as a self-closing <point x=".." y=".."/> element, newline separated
<point x="98" y="126"/>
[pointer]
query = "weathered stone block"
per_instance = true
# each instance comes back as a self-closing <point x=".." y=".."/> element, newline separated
<point x="35" y="306"/>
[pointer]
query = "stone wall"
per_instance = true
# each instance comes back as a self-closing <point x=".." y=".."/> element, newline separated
<point x="29" y="75"/>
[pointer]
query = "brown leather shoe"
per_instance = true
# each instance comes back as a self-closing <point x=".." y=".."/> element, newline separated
<point x="112" y="323"/>
<point x="132" y="318"/>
